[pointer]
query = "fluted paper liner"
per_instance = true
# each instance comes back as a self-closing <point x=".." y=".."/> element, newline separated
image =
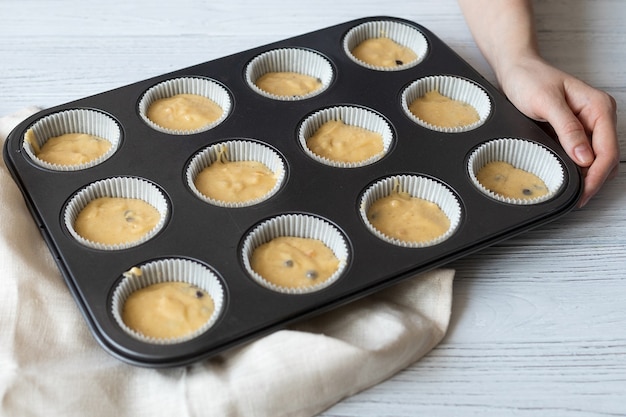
<point x="117" y="187"/>
<point x="354" y="116"/>
<point x="301" y="61"/>
<point x="522" y="154"/>
<point x="168" y="270"/>
<point x="85" y="121"/>
<point x="454" y="88"/>
<point x="204" y="87"/>
<point x="401" y="33"/>
<point x="418" y="187"/>
<point x="236" y="150"/>
<point x="296" y="225"/>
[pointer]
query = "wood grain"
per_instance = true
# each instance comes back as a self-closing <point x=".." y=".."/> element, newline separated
<point x="538" y="323"/>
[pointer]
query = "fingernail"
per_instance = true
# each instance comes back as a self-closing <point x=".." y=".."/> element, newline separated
<point x="583" y="154"/>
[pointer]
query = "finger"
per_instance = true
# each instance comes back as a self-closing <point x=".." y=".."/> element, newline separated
<point x="571" y="134"/>
<point x="606" y="148"/>
<point x="594" y="178"/>
<point x="604" y="168"/>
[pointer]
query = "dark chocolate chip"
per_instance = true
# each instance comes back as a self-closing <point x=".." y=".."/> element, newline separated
<point x="398" y="62"/>
<point x="526" y="191"/>
<point x="311" y="274"/>
<point x="288" y="263"/>
<point x="199" y="294"/>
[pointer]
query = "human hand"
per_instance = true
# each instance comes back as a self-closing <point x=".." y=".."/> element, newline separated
<point x="583" y="118"/>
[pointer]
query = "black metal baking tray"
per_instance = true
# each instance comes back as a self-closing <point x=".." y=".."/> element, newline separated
<point x="213" y="235"/>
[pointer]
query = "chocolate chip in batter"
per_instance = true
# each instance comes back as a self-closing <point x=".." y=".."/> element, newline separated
<point x="311" y="274"/>
<point x="128" y="216"/>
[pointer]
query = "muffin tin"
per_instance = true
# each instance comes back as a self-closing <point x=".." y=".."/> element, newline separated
<point x="217" y="237"/>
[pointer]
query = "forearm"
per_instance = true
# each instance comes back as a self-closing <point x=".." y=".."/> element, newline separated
<point x="503" y="30"/>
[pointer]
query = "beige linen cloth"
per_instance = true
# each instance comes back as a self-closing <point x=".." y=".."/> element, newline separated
<point x="50" y="365"/>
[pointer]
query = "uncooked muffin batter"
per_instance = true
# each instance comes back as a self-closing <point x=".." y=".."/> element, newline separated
<point x="288" y="84"/>
<point x="113" y="220"/>
<point x="70" y="148"/>
<point x="167" y="310"/>
<point x="439" y="110"/>
<point x="294" y="262"/>
<point x="504" y="179"/>
<point x="340" y="142"/>
<point x="184" y="112"/>
<point x="409" y="219"/>
<point x="235" y="181"/>
<point x="383" y="52"/>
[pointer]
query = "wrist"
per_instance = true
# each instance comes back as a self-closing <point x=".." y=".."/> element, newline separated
<point x="510" y="62"/>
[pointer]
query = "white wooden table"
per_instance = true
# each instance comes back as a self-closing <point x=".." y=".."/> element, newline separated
<point x="539" y="321"/>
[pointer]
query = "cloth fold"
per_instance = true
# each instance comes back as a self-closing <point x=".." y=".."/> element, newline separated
<point x="51" y="365"/>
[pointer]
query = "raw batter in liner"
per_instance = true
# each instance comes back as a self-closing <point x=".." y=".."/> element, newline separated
<point x="409" y="219"/>
<point x="235" y="181"/>
<point x="504" y="179"/>
<point x="184" y="112"/>
<point x="70" y="148"/>
<point x="340" y="142"/>
<point x="113" y="220"/>
<point x="288" y="84"/>
<point x="294" y="262"/>
<point x="383" y="52"/>
<point x="439" y="110"/>
<point x="168" y="310"/>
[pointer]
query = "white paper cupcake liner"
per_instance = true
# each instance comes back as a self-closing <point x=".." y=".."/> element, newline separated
<point x="354" y="116"/>
<point x="236" y="150"/>
<point x="452" y="87"/>
<point x="168" y="270"/>
<point x="297" y="60"/>
<point x="85" y="121"/>
<point x="522" y="154"/>
<point x="117" y="187"/>
<point x="296" y="225"/>
<point x="403" y="34"/>
<point x="186" y="85"/>
<point x="418" y="187"/>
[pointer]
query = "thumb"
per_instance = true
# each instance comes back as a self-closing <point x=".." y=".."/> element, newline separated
<point x="571" y="133"/>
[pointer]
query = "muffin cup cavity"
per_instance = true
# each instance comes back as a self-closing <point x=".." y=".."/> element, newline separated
<point x="116" y="187"/>
<point x="296" y="225"/>
<point x="203" y="87"/>
<point x="236" y="150"/>
<point x="398" y="32"/>
<point x="522" y="154"/>
<point x="350" y="115"/>
<point x="454" y="88"/>
<point x="163" y="271"/>
<point x="418" y="187"/>
<point x="301" y="61"/>
<point x="84" y="121"/>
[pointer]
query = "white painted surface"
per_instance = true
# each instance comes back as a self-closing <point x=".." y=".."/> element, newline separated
<point x="539" y="321"/>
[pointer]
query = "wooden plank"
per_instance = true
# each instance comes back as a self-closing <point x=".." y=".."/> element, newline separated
<point x="538" y="320"/>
